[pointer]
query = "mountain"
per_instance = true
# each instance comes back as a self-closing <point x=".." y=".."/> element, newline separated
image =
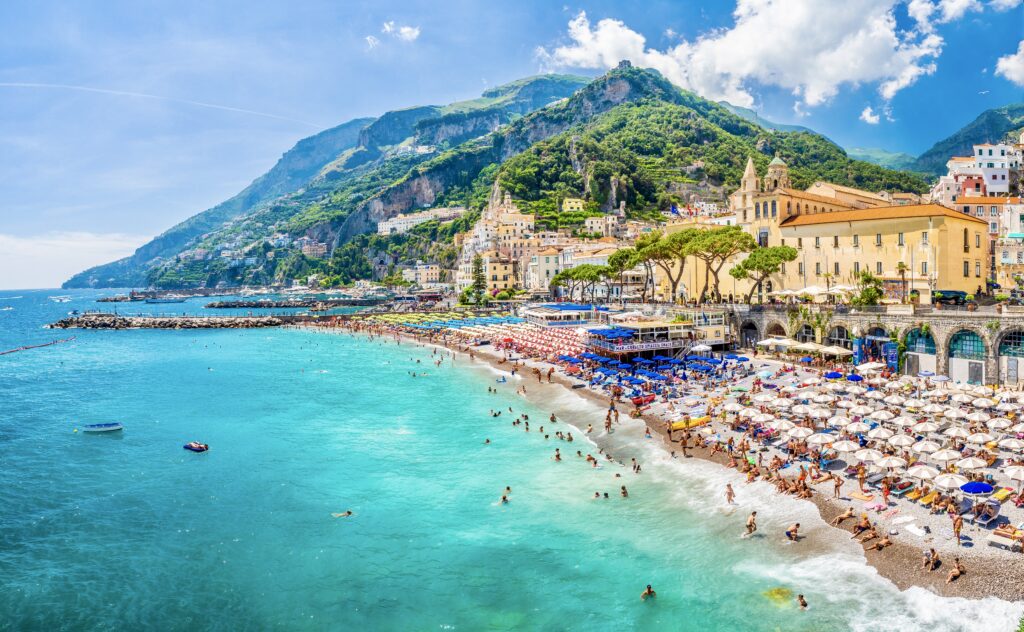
<point x="629" y="136"/>
<point x="755" y="118"/>
<point x="990" y="127"/>
<point x="882" y="157"/>
<point x="339" y="154"/>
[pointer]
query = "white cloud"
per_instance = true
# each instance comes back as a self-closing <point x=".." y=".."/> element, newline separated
<point x="388" y="27"/>
<point x="1012" y="66"/>
<point x="1005" y="5"/>
<point x="869" y="116"/>
<point x="787" y="45"/>
<point x="952" y="10"/>
<point x="47" y="260"/>
<point x="372" y="42"/>
<point x="408" y="33"/>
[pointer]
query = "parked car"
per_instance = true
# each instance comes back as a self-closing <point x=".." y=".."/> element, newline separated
<point x="949" y="297"/>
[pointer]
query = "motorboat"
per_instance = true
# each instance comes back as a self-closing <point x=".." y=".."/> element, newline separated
<point x="111" y="427"/>
<point x="60" y="299"/>
<point x="195" y="446"/>
<point x="169" y="299"/>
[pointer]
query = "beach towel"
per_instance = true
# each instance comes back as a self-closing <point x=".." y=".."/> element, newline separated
<point x="916" y="530"/>
<point x="903" y="519"/>
<point x="860" y="496"/>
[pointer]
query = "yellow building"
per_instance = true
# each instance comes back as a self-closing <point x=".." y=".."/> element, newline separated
<point x="501" y="273"/>
<point x="572" y="204"/>
<point x="940" y="249"/>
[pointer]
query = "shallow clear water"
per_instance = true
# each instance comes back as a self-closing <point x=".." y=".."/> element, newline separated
<point x="134" y="532"/>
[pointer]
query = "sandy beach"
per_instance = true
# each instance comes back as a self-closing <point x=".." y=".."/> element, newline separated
<point x="989" y="571"/>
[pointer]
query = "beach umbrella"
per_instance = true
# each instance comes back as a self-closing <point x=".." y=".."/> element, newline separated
<point x="845" y="403"/>
<point x="836" y="387"/>
<point x="764" y="397"/>
<point x="956" y="431"/>
<point x="891" y="462"/>
<point x="981" y="437"/>
<point x="953" y="413"/>
<point x="894" y="400"/>
<point x="824" y="398"/>
<point x="838" y="421"/>
<point x="1006" y="407"/>
<point x="983" y="402"/>
<point x="733" y="407"/>
<point x="903" y="421"/>
<point x="998" y="423"/>
<point x="861" y="410"/>
<point x="944" y="456"/>
<point x="782" y="425"/>
<point x="901" y="440"/>
<point x="982" y="391"/>
<point x="856" y="390"/>
<point x="915" y="403"/>
<point x="1017" y="428"/>
<point x="854" y="378"/>
<point x="858" y="426"/>
<point x="800" y="432"/>
<point x="976" y="488"/>
<point x="818" y="413"/>
<point x="949" y="481"/>
<point x="932" y="409"/>
<point x="781" y="402"/>
<point x="800" y="409"/>
<point x="867" y="455"/>
<point x="749" y="412"/>
<point x="878" y="381"/>
<point x="881" y="415"/>
<point x="922" y="472"/>
<point x="925" y="426"/>
<point x="700" y="348"/>
<point x="762" y="418"/>
<point x="1014" y="472"/>
<point x="833" y="375"/>
<point x="811" y="381"/>
<point x="962" y="398"/>
<point x="880" y="433"/>
<point x="874" y="395"/>
<point x="970" y="463"/>
<point x="808" y="394"/>
<point x="820" y="438"/>
<point x="978" y="417"/>
<point x="894" y="386"/>
<point x="845" y="446"/>
<point x="926" y="447"/>
<point x="1011" y="443"/>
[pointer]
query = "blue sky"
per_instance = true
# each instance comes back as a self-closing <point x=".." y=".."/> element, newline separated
<point x="120" y="118"/>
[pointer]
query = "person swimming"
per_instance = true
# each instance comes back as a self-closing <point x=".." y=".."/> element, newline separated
<point x="623" y="492"/>
<point x="648" y="593"/>
<point x="800" y="601"/>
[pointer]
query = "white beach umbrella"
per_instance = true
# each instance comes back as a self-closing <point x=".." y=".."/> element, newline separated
<point x="845" y="403"/>
<point x="915" y="403"/>
<point x="878" y="381"/>
<point x="970" y="463"/>
<point x="790" y="389"/>
<point x="781" y="402"/>
<point x="923" y="472"/>
<point x="936" y="394"/>
<point x="811" y="381"/>
<point x="839" y="421"/>
<point x="856" y="390"/>
<point x="894" y="400"/>
<point x="808" y="394"/>
<point x="749" y="412"/>
<point x="880" y="433"/>
<point x="949" y="481"/>
<point x="978" y="417"/>
<point x="956" y="431"/>
<point x="903" y="421"/>
<point x="818" y="413"/>
<point x="800" y="432"/>
<point x="1011" y="443"/>
<point x="867" y="455"/>
<point x="820" y="438"/>
<point x="824" y="399"/>
<point x="762" y="418"/>
<point x="962" y="398"/>
<point x="901" y="440"/>
<point x="981" y="437"/>
<point x="999" y="423"/>
<point x="932" y="409"/>
<point x="944" y="456"/>
<point x="861" y="410"/>
<point x="925" y="426"/>
<point x="983" y="402"/>
<point x="800" y="409"/>
<point x="733" y="407"/>
<point x="881" y="415"/>
<point x="894" y="386"/>
<point x="954" y="413"/>
<point x="845" y="446"/>
<point x="926" y="447"/>
<point x="782" y="425"/>
<point x="1014" y="472"/>
<point x="1006" y="407"/>
<point x="1017" y="428"/>
<point x="836" y="387"/>
<point x="764" y="398"/>
<point x="891" y="461"/>
<point x="982" y="391"/>
<point x="700" y="348"/>
<point x="874" y="395"/>
<point x="858" y="426"/>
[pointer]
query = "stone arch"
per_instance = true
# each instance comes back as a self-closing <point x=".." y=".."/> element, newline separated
<point x="1008" y="347"/>
<point x="839" y="335"/>
<point x="952" y="334"/>
<point x="805" y="333"/>
<point x="918" y="341"/>
<point x="774" y="328"/>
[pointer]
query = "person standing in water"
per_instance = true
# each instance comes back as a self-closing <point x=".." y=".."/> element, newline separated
<point x="730" y="496"/>
<point x="752" y="523"/>
<point x="648" y="593"/>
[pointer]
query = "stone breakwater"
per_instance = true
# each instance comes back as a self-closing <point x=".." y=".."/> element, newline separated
<point x="113" y="321"/>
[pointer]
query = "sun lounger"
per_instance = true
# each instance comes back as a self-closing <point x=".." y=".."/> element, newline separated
<point x="929" y="499"/>
<point x="1003" y="542"/>
<point x="860" y="496"/>
<point x="900" y="492"/>
<point x="964" y="506"/>
<point x="1003" y="494"/>
<point x="915" y="493"/>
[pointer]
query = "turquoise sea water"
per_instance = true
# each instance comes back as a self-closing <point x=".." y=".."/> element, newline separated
<point x="133" y="532"/>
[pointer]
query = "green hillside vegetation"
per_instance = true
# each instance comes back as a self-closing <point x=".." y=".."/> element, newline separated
<point x="991" y="126"/>
<point x="882" y="157"/>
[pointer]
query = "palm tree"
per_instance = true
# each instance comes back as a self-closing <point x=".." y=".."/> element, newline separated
<point x="901" y="269"/>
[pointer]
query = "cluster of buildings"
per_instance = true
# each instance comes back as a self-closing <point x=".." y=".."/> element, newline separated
<point x="403" y="223"/>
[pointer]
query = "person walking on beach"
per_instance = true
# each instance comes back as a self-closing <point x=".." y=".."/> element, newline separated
<point x="730" y="496"/>
<point x="958" y="525"/>
<point x="751" y="523"/>
<point x="838" y="486"/>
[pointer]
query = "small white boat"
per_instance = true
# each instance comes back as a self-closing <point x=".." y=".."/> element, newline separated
<point x="111" y="427"/>
<point x="60" y="299"/>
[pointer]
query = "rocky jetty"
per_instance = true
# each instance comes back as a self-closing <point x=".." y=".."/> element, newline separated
<point x="114" y="321"/>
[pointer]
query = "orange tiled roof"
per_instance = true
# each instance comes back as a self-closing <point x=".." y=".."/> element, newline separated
<point x="881" y="212"/>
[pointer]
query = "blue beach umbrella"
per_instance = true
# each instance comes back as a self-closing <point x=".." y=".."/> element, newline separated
<point x="743" y="359"/>
<point x="807" y="359"/>
<point x="976" y="488"/>
<point x="731" y="356"/>
<point x="854" y="378"/>
<point x="833" y="375"/>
